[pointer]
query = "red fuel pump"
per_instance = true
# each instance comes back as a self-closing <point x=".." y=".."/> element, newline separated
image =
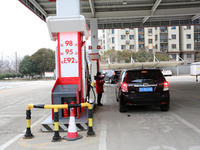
<point x="68" y="27"/>
<point x="71" y="84"/>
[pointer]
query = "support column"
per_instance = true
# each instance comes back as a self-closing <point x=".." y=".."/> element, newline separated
<point x="68" y="27"/>
<point x="177" y="57"/>
<point x="67" y="8"/>
<point x="94" y="44"/>
<point x="94" y="54"/>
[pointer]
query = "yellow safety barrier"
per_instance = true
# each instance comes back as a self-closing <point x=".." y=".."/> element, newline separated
<point x="56" y="136"/>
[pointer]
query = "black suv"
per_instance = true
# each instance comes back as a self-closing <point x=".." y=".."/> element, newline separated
<point x="112" y="76"/>
<point x="143" y="87"/>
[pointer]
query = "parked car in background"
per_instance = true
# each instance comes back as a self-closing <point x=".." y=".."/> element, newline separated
<point x="167" y="72"/>
<point x="143" y="87"/>
<point x="112" y="76"/>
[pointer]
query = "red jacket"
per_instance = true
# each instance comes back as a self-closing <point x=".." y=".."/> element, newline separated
<point x="99" y="86"/>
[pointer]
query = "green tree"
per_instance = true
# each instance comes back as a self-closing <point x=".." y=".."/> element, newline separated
<point x="162" y="57"/>
<point x="126" y="55"/>
<point x="118" y="56"/>
<point x="144" y="56"/>
<point x="44" y="60"/>
<point x="112" y="54"/>
<point x="26" y="66"/>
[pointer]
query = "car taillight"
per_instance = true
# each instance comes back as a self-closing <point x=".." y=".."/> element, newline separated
<point x="124" y="87"/>
<point x="166" y="86"/>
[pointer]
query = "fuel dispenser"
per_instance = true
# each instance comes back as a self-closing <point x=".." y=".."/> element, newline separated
<point x="72" y="83"/>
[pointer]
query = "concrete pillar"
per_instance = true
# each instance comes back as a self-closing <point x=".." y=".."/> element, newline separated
<point x="67" y="8"/>
<point x="94" y="34"/>
<point x="94" y="44"/>
<point x="177" y="57"/>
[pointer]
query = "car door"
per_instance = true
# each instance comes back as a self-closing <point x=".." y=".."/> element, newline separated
<point x="118" y="86"/>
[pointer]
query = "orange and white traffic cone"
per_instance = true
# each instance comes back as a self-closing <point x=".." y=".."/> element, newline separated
<point x="72" y="134"/>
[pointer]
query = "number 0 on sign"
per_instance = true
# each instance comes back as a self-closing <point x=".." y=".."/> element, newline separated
<point x="69" y="55"/>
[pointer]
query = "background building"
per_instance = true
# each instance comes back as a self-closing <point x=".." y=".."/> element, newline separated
<point x="197" y="42"/>
<point x="176" y="41"/>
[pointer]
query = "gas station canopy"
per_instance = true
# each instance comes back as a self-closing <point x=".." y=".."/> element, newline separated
<point x="128" y="13"/>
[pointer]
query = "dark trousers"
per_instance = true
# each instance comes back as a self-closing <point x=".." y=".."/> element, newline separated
<point x="99" y="98"/>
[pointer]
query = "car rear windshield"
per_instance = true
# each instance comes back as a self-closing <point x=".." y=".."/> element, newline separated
<point x="144" y="74"/>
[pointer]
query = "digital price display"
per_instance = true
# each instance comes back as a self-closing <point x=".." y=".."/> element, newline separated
<point x="69" y="54"/>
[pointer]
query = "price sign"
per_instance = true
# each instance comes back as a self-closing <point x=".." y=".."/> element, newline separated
<point x="69" y="55"/>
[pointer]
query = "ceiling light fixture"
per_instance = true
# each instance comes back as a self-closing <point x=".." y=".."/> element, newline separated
<point x="124" y="2"/>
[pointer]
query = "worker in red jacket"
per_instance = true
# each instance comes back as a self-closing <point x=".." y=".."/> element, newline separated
<point x="99" y="87"/>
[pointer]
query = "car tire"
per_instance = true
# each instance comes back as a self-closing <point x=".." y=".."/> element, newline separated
<point x="117" y="99"/>
<point x="110" y="81"/>
<point x="164" y="107"/>
<point x="122" y="107"/>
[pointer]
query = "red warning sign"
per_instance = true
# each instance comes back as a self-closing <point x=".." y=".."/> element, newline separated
<point x="98" y="47"/>
<point x="90" y="47"/>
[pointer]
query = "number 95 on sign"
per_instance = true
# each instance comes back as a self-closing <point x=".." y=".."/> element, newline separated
<point x="68" y="60"/>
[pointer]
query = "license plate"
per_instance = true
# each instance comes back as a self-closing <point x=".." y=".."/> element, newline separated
<point x="146" y="89"/>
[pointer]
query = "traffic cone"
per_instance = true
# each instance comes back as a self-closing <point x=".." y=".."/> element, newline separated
<point x="72" y="134"/>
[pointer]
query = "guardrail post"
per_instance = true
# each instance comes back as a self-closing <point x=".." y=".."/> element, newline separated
<point x="56" y="136"/>
<point x="90" y="123"/>
<point x="28" y="134"/>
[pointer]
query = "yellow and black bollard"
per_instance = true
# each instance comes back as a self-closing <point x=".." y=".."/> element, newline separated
<point x="90" y="119"/>
<point x="90" y="124"/>
<point x="28" y="134"/>
<point x="56" y="137"/>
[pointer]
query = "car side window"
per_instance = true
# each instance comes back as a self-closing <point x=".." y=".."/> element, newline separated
<point x="110" y="73"/>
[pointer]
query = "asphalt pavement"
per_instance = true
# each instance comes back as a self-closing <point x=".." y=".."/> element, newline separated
<point x="141" y="128"/>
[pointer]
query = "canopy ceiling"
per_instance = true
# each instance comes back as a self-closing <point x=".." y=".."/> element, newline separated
<point x="128" y="13"/>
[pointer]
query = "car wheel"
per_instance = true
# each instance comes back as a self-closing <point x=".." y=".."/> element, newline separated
<point x="122" y="107"/>
<point x="117" y="99"/>
<point x="164" y="107"/>
<point x="110" y="81"/>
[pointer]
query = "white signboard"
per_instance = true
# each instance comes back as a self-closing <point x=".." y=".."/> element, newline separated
<point x="195" y="69"/>
<point x="69" y="55"/>
<point x="49" y="74"/>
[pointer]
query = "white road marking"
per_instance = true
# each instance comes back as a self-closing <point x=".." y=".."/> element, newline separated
<point x="20" y="135"/>
<point x="167" y="128"/>
<point x="161" y="148"/>
<point x="10" y="141"/>
<point x="187" y="123"/>
<point x="194" y="148"/>
<point x="141" y="121"/>
<point x="13" y="115"/>
<point x="103" y="134"/>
